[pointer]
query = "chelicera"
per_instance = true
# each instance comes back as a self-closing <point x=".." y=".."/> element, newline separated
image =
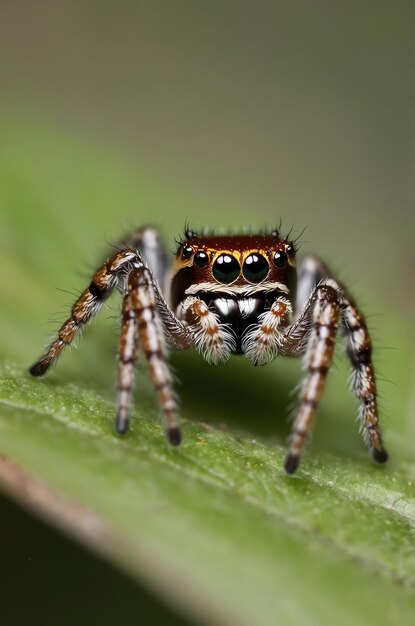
<point x="225" y="295"/>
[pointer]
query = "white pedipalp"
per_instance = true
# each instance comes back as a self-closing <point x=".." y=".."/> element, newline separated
<point x="260" y="342"/>
<point x="215" y="341"/>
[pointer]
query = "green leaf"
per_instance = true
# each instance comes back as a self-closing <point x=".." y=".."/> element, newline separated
<point x="214" y="528"/>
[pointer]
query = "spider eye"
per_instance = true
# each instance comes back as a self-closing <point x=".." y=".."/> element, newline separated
<point x="289" y="249"/>
<point x="226" y="268"/>
<point x="187" y="252"/>
<point x="255" y="268"/>
<point x="280" y="259"/>
<point x="201" y="259"/>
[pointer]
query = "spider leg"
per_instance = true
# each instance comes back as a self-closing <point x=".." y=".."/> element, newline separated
<point x="215" y="341"/>
<point x="87" y="305"/>
<point x="296" y="339"/>
<point x="293" y="341"/>
<point x="147" y="241"/>
<point x="140" y="305"/>
<point x="311" y="272"/>
<point x="359" y="350"/>
<point x="127" y="356"/>
<point x="323" y="312"/>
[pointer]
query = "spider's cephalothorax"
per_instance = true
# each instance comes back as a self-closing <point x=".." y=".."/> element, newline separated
<point x="228" y="295"/>
<point x="236" y="280"/>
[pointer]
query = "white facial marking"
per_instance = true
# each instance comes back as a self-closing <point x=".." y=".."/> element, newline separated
<point x="248" y="290"/>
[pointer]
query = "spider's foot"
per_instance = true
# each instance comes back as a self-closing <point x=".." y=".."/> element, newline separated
<point x="292" y="461"/>
<point x="121" y="422"/>
<point x="39" y="368"/>
<point x="380" y="456"/>
<point x="174" y="436"/>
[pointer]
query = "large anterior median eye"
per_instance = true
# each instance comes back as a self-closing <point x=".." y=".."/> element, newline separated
<point x="226" y="268"/>
<point x="255" y="268"/>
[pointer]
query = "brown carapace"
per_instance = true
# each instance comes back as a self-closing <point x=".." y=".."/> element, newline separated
<point x="224" y="295"/>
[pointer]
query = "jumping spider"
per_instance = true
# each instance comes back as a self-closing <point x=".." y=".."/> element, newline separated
<point x="228" y="295"/>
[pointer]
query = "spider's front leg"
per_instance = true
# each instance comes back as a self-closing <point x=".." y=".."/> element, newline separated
<point x="359" y="350"/>
<point x="314" y="332"/>
<point x="325" y="307"/>
<point x="144" y="312"/>
<point x="141" y="324"/>
<point x="102" y="285"/>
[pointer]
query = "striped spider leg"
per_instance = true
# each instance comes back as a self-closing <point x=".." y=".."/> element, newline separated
<point x="142" y="326"/>
<point x="327" y="308"/>
<point x="146" y="322"/>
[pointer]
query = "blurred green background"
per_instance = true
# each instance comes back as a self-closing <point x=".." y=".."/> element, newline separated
<point x="232" y="114"/>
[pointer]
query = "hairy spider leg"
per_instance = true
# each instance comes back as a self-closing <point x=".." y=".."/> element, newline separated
<point x="325" y="319"/>
<point x="147" y="241"/>
<point x="359" y="350"/>
<point x="140" y="304"/>
<point x="152" y="253"/>
<point x="85" y="308"/>
<point x="127" y="356"/>
<point x="311" y="272"/>
<point x="120" y="271"/>
<point x="358" y="344"/>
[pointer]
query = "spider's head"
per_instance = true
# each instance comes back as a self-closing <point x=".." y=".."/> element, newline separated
<point x="234" y="264"/>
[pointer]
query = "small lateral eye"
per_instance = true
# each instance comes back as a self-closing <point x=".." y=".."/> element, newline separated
<point x="289" y="248"/>
<point x="280" y="259"/>
<point x="255" y="268"/>
<point x="226" y="269"/>
<point x="187" y="252"/>
<point x="201" y="259"/>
